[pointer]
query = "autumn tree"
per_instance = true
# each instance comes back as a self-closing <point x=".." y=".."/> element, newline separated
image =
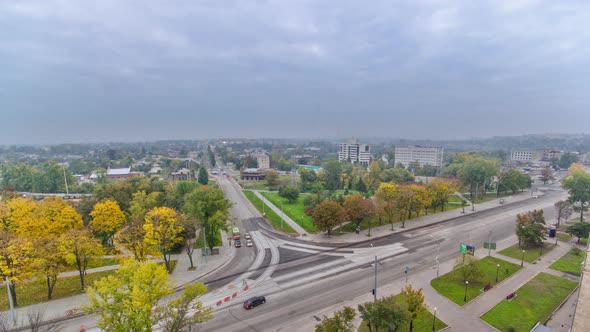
<point x="358" y="208"/>
<point x="342" y="321"/>
<point x="189" y="230"/>
<point x="373" y="178"/>
<point x="547" y="175"/>
<point x="414" y="299"/>
<point x="80" y="248"/>
<point x="17" y="261"/>
<point x="132" y="238"/>
<point x="386" y="313"/>
<point x="421" y="199"/>
<point x="404" y="198"/>
<point x="211" y="209"/>
<point x="107" y="219"/>
<point x="184" y="311"/>
<point x="142" y="202"/>
<point x="386" y="205"/>
<point x="441" y="190"/>
<point x="530" y="228"/>
<point x="49" y="261"/>
<point x="578" y="187"/>
<point x="124" y="301"/>
<point x="163" y="231"/>
<point x="397" y="175"/>
<point x="327" y="215"/>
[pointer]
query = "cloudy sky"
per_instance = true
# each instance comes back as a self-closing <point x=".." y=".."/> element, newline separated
<point x="136" y="70"/>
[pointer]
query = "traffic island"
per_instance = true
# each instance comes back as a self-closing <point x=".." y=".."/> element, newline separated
<point x="492" y="271"/>
<point x="535" y="301"/>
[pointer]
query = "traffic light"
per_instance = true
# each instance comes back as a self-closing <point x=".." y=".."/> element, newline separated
<point x="373" y="291"/>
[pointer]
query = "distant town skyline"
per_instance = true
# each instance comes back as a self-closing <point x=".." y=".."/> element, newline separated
<point x="127" y="71"/>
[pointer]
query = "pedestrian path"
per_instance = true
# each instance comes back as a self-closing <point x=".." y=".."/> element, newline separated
<point x="280" y="213"/>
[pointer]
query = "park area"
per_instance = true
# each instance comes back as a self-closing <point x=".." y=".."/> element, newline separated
<point x="271" y="216"/>
<point x="535" y="301"/>
<point x="295" y="210"/>
<point x="492" y="271"/>
<point x="530" y="254"/>
<point x="571" y="262"/>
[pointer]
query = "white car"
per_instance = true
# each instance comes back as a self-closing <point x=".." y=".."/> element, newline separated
<point x="247" y="236"/>
<point x="249" y="243"/>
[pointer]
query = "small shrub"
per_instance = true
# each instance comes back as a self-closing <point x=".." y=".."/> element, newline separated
<point x="308" y="211"/>
<point x="510" y="296"/>
<point x="511" y="329"/>
<point x="576" y="251"/>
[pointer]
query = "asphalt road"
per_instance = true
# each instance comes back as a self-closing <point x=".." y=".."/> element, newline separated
<point x="286" y="306"/>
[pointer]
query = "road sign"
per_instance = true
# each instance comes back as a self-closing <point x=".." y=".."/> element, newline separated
<point x="467" y="249"/>
<point x="488" y="245"/>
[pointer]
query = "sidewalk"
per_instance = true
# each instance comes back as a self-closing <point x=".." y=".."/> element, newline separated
<point x="64" y="307"/>
<point x="286" y="218"/>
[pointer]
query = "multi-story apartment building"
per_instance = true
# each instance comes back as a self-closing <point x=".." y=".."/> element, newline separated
<point x="526" y="155"/>
<point x="355" y="153"/>
<point x="422" y="154"/>
<point x="263" y="160"/>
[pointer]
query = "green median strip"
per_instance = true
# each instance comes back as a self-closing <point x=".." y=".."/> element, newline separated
<point x="535" y="301"/>
<point x="271" y="216"/>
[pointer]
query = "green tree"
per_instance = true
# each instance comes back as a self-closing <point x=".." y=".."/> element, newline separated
<point x="397" y="175"/>
<point x="163" y="231"/>
<point x="340" y="322"/>
<point x="177" y="315"/>
<point x="203" y="177"/>
<point x="477" y="173"/>
<point x="124" y="301"/>
<point x="211" y="209"/>
<point x="386" y="313"/>
<point x="469" y="267"/>
<point x="563" y="210"/>
<point x="579" y="229"/>
<point x="330" y="175"/>
<point x="567" y="159"/>
<point x="578" y="187"/>
<point x="308" y="177"/>
<point x="327" y="215"/>
<point x="530" y="228"/>
<point x="290" y="193"/>
<point x="272" y="179"/>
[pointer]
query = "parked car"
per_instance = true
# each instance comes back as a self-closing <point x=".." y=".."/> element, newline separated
<point x="238" y="243"/>
<point x="254" y="301"/>
<point x="249" y="243"/>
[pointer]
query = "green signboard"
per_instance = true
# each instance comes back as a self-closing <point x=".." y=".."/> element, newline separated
<point x="488" y="245"/>
<point x="467" y="249"/>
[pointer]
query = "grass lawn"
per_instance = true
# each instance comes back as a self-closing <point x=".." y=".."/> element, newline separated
<point x="199" y="243"/>
<point x="271" y="216"/>
<point x="452" y="286"/>
<point x="36" y="292"/>
<point x="422" y="323"/>
<point x="570" y="263"/>
<point x="535" y="301"/>
<point x="284" y="180"/>
<point x="564" y="237"/>
<point x="530" y="255"/>
<point x="295" y="211"/>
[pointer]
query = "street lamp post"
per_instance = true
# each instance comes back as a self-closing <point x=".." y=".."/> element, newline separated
<point x="434" y="319"/>
<point x="497" y="270"/>
<point x="522" y="260"/>
<point x="465" y="296"/>
<point x="437" y="265"/>
<point x="282" y="215"/>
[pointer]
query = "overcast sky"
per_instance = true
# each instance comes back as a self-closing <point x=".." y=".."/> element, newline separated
<point x="121" y="70"/>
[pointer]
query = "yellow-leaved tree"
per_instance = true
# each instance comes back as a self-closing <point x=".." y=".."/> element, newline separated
<point x="124" y="301"/>
<point x="57" y="216"/>
<point x="16" y="260"/>
<point x="107" y="219"/>
<point x="23" y="219"/>
<point x="163" y="231"/>
<point x="79" y="248"/>
<point x="385" y="197"/>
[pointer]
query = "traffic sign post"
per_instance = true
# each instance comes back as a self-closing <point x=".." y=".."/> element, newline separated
<point x="406" y="272"/>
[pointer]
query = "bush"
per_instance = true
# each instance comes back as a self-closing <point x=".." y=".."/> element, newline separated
<point x="510" y="296"/>
<point x="576" y="251"/>
<point x="487" y="287"/>
<point x="308" y="211"/>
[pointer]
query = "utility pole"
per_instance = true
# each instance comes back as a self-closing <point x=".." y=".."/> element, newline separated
<point x="375" y="289"/>
<point x="66" y="181"/>
<point x="12" y="314"/>
<point x="205" y="241"/>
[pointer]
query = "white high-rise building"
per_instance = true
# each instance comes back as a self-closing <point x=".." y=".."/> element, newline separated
<point x="355" y="153"/>
<point x="424" y="155"/>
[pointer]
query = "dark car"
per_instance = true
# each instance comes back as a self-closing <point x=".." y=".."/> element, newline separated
<point x="238" y="243"/>
<point x="254" y="301"/>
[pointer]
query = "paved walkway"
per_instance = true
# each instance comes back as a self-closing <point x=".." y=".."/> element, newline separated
<point x="285" y="217"/>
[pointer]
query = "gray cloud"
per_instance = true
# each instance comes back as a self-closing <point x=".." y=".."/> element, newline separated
<point x="136" y="70"/>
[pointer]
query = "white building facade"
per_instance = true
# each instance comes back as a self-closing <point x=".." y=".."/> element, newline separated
<point x="263" y="160"/>
<point x="424" y="155"/>
<point x="355" y="153"/>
